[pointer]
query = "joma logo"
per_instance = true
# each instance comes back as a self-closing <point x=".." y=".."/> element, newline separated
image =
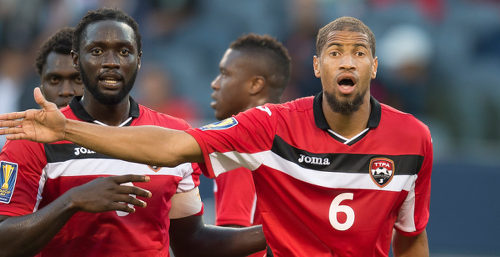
<point x="82" y="150"/>
<point x="313" y="160"/>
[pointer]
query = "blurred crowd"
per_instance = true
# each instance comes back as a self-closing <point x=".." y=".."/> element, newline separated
<point x="438" y="59"/>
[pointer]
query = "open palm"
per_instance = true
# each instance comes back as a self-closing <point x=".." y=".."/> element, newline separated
<point x="44" y="125"/>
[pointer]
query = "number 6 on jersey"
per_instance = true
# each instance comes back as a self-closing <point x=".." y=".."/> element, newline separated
<point x="335" y="208"/>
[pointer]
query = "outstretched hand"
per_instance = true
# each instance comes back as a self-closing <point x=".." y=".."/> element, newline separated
<point x="44" y="125"/>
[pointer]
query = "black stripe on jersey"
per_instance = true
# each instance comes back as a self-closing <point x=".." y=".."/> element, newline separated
<point x="351" y="163"/>
<point x="65" y="152"/>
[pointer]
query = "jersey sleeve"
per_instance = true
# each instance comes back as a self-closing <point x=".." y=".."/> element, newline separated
<point x="238" y="141"/>
<point x="191" y="177"/>
<point x="26" y="161"/>
<point x="414" y="213"/>
<point x="235" y="198"/>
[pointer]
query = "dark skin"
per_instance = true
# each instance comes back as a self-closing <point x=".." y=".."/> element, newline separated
<point x="26" y="235"/>
<point x="60" y="80"/>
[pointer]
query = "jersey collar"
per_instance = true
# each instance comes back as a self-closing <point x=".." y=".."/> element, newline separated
<point x="81" y="114"/>
<point x="320" y="120"/>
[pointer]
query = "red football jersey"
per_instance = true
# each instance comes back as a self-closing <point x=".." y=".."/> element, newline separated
<point x="46" y="171"/>
<point x="236" y="200"/>
<point x="321" y="194"/>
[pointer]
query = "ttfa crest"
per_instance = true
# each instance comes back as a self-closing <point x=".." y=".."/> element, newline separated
<point x="381" y="171"/>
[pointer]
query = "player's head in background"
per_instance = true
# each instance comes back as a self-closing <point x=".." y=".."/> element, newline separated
<point x="60" y="81"/>
<point x="345" y="62"/>
<point x="254" y="70"/>
<point x="107" y="52"/>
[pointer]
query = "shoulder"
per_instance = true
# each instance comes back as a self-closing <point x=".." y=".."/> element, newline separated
<point x="404" y="121"/>
<point x="294" y="106"/>
<point x="151" y="117"/>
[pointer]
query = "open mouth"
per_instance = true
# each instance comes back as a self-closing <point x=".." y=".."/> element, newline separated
<point x="346" y="83"/>
<point x="110" y="80"/>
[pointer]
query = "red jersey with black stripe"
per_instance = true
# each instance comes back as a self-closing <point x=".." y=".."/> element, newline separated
<point x="322" y="195"/>
<point x="46" y="171"/>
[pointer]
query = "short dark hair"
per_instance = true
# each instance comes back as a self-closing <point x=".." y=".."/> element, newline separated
<point x="277" y="58"/>
<point x="103" y="14"/>
<point x="60" y="42"/>
<point x="344" y="24"/>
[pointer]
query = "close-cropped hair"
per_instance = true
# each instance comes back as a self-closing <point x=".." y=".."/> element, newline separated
<point x="268" y="47"/>
<point x="60" y="42"/>
<point x="344" y="24"/>
<point x="104" y="14"/>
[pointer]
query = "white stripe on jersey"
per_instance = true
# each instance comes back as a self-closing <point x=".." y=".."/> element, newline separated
<point x="83" y="167"/>
<point x="406" y="216"/>
<point x="41" y="185"/>
<point x="222" y="162"/>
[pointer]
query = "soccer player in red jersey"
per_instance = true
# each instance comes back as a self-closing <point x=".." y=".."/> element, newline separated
<point x="254" y="70"/>
<point x="60" y="81"/>
<point x="337" y="174"/>
<point x="62" y="199"/>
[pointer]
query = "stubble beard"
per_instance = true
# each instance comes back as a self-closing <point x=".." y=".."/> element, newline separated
<point x="107" y="99"/>
<point x="344" y="107"/>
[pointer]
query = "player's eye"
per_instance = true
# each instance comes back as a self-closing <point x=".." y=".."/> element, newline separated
<point x="124" y="52"/>
<point x="334" y="53"/>
<point x="78" y="80"/>
<point x="54" y="80"/>
<point x="96" y="51"/>
<point x="360" y="53"/>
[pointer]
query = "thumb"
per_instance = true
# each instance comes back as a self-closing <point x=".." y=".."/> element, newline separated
<point x="40" y="99"/>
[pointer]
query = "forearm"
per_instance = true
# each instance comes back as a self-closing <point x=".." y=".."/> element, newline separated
<point x="144" y="144"/>
<point x="216" y="241"/>
<point x="410" y="246"/>
<point x="27" y="235"/>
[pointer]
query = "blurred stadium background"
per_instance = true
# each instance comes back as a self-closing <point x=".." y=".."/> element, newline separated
<point x="439" y="60"/>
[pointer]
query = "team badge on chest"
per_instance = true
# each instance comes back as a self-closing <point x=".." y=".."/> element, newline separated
<point x="381" y="171"/>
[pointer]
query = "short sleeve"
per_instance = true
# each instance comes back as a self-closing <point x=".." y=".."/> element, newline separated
<point x="414" y="213"/>
<point x="26" y="161"/>
<point x="238" y="141"/>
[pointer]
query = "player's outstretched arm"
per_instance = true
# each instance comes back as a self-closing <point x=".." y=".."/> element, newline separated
<point x="406" y="246"/>
<point x="26" y="235"/>
<point x="144" y="144"/>
<point x="189" y="236"/>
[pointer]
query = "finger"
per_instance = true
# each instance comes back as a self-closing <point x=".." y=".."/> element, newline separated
<point x="125" y="189"/>
<point x="13" y="133"/>
<point x="124" y="198"/>
<point x="40" y="99"/>
<point x="130" y="178"/>
<point x="11" y="123"/>
<point x="13" y="116"/>
<point x="117" y="206"/>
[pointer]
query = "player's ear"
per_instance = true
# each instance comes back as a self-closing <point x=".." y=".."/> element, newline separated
<point x="139" y="56"/>
<point x="316" y="66"/>
<point x="74" y="57"/>
<point x="374" y="68"/>
<point x="257" y="85"/>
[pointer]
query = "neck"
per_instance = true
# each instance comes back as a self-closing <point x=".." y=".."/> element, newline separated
<point x="348" y="125"/>
<point x="112" y="115"/>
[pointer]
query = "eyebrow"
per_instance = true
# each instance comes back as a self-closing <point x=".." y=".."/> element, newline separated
<point x="119" y="43"/>
<point x="340" y="45"/>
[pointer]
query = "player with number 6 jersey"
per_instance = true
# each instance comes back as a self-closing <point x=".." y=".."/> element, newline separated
<point x="318" y="194"/>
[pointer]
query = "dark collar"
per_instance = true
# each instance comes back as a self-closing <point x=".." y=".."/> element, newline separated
<point x="80" y="112"/>
<point x="320" y="120"/>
